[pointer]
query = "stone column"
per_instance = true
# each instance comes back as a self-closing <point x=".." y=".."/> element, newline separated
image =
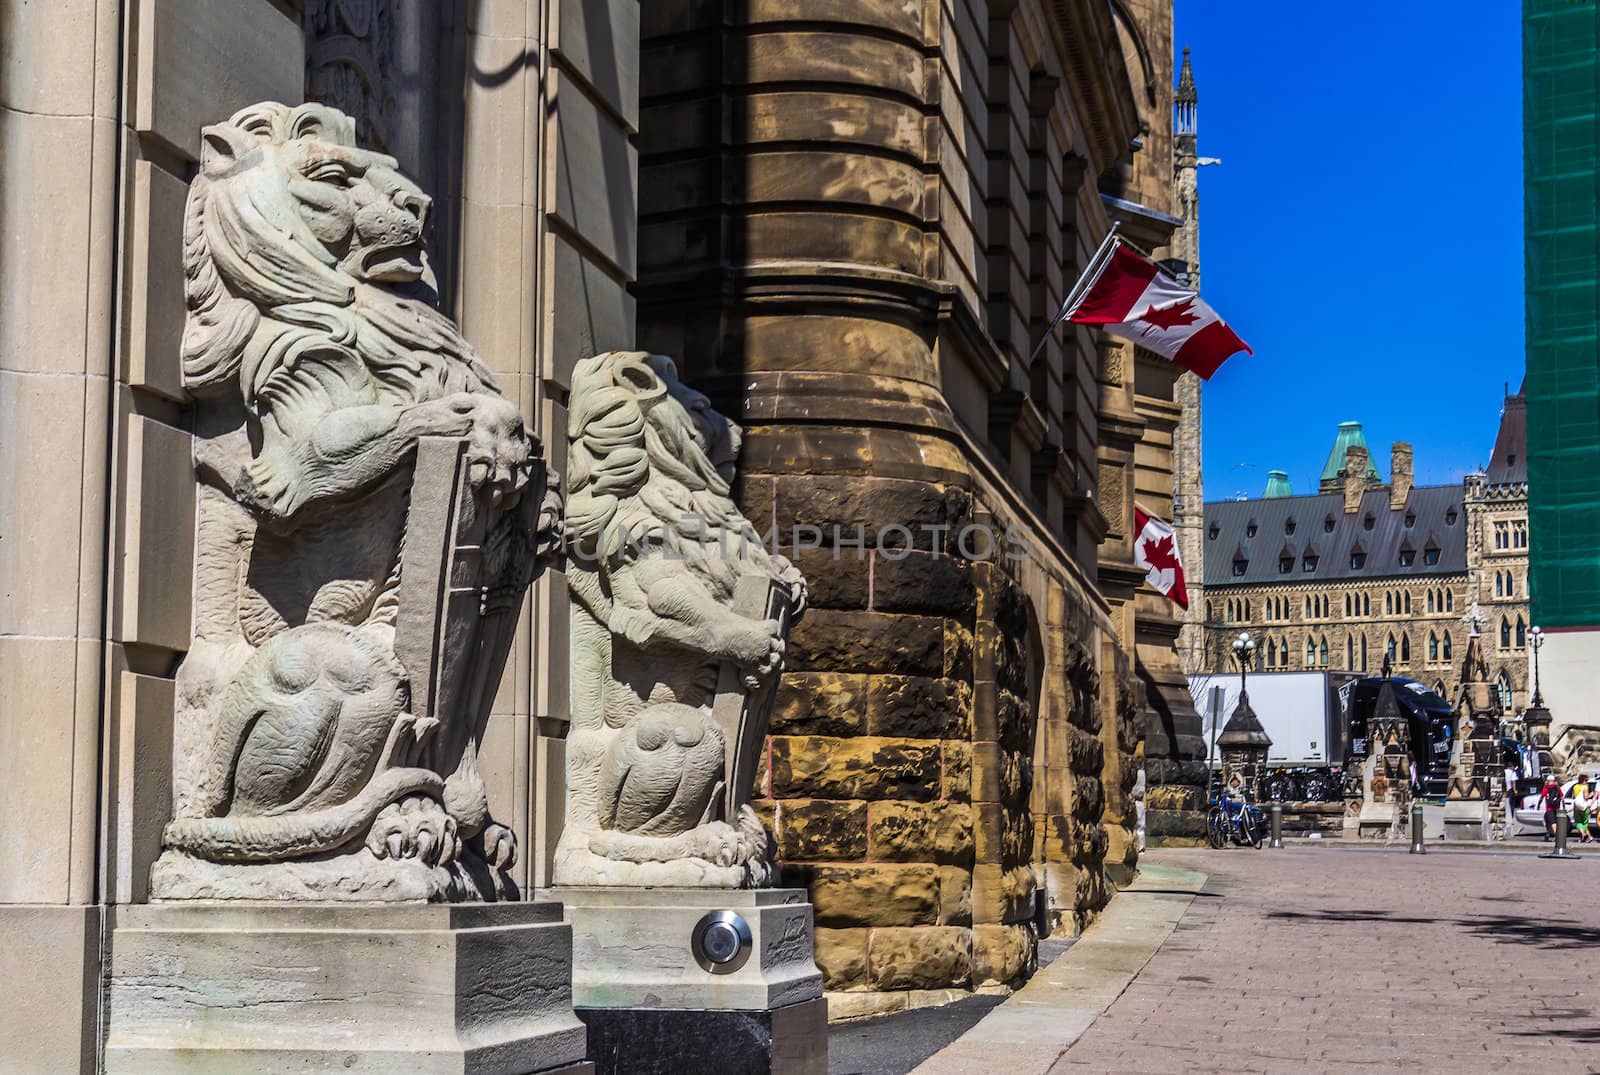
<point x="59" y="98"/>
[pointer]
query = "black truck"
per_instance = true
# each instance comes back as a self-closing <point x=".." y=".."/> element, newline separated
<point x="1432" y="722"/>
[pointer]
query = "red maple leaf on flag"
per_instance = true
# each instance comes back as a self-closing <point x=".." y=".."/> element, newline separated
<point x="1174" y="316"/>
<point x="1160" y="555"/>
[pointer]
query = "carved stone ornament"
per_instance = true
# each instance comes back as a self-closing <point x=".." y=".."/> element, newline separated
<point x="370" y="513"/>
<point x="679" y="623"/>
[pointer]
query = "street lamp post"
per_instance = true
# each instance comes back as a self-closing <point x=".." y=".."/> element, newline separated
<point x="1537" y="637"/>
<point x="1244" y="649"/>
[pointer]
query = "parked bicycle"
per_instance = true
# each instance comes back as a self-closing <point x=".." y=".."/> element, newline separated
<point x="1230" y="821"/>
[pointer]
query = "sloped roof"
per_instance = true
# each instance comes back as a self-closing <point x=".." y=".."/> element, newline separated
<point x="1509" y="463"/>
<point x="1278" y="484"/>
<point x="1350" y="434"/>
<point x="1430" y="506"/>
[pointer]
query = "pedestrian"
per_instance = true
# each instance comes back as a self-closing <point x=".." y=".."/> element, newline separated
<point x="1582" y="803"/>
<point x="1550" y="798"/>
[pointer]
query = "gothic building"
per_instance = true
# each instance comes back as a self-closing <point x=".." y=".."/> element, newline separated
<point x="1366" y="567"/>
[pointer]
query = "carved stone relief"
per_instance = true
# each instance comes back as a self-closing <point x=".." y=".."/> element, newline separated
<point x="680" y="617"/>
<point x="350" y="61"/>
<point x="370" y="513"/>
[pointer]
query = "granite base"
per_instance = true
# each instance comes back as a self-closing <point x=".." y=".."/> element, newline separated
<point x="252" y="988"/>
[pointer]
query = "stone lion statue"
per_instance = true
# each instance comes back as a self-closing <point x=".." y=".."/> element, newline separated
<point x="680" y="619"/>
<point x="370" y="511"/>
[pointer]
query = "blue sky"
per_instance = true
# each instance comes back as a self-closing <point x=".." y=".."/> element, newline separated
<point x="1364" y="231"/>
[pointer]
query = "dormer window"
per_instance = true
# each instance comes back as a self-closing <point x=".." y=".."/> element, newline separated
<point x="1430" y="555"/>
<point x="1308" y="562"/>
<point x="1213" y="531"/>
<point x="1450" y="517"/>
<point x="1327" y="525"/>
<point x="1411" y="519"/>
<point x="1240" y="567"/>
<point x="1285" y="564"/>
<point x="1288" y="527"/>
<point x="1369" y="522"/>
<point x="1408" y="557"/>
<point x="1358" y="560"/>
<point x="1250" y="529"/>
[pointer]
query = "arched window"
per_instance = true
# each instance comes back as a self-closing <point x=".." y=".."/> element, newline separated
<point x="1366" y="604"/>
<point x="1447" y="645"/>
<point x="1522" y="633"/>
<point x="1440" y="689"/>
<point x="1430" y="600"/>
<point x="1389" y="649"/>
<point x="1211" y="611"/>
<point x="1388" y="604"/>
<point x="1503" y="685"/>
<point x="1272" y="654"/>
<point x="1350" y="651"/>
<point x="1408" y="602"/>
<point x="1322" y="652"/>
<point x="1405" y="649"/>
<point x="1449" y="601"/>
<point x="1311" y="653"/>
<point x="1363" y="653"/>
<point x="1505" y="633"/>
<point x="1433" y="646"/>
<point x="1511" y="584"/>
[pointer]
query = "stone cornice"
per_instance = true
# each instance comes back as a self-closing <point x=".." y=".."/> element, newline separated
<point x="1086" y="33"/>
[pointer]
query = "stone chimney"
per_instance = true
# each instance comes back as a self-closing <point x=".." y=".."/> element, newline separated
<point x="1400" y="480"/>
<point x="1356" y="463"/>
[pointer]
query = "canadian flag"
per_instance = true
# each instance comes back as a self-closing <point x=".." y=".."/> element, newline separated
<point x="1155" y="548"/>
<point x="1132" y="297"/>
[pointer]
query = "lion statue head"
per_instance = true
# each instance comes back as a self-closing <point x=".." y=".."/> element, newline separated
<point x="298" y="241"/>
<point x="650" y="465"/>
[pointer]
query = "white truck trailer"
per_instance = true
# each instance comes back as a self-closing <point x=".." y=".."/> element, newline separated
<point x="1304" y="713"/>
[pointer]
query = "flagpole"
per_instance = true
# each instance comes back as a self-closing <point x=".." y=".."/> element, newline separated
<point x="1085" y="281"/>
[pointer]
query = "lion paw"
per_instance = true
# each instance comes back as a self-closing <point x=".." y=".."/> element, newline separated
<point x="415" y="827"/>
<point x="498" y="449"/>
<point x="496" y="845"/>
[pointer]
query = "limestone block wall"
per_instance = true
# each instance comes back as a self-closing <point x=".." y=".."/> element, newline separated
<point x="100" y="114"/>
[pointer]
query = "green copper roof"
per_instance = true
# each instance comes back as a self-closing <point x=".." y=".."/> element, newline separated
<point x="1278" y="484"/>
<point x="1349" y="435"/>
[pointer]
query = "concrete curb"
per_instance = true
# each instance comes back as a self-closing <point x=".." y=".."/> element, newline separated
<point x="1039" y="1022"/>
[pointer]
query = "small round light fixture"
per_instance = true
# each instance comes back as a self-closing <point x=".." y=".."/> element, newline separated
<point x="721" y="942"/>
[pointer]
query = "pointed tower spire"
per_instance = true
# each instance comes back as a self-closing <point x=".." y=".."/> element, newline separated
<point x="1187" y="102"/>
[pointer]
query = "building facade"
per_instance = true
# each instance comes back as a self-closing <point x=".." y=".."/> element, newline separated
<point x="849" y="223"/>
<point x="1368" y="568"/>
<point x="1561" y="108"/>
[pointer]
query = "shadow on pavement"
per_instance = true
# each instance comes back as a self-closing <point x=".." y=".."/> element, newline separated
<point x="1539" y="932"/>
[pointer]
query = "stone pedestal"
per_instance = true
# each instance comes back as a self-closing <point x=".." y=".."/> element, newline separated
<point x="274" y="987"/>
<point x="1467" y="819"/>
<point x="657" y="1006"/>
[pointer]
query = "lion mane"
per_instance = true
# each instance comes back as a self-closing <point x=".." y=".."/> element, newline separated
<point x="641" y="482"/>
<point x="259" y="306"/>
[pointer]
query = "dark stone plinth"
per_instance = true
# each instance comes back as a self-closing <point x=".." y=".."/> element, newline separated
<point x="792" y="1040"/>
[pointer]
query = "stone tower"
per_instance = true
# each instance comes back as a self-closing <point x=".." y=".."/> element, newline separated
<point x="1189" y="495"/>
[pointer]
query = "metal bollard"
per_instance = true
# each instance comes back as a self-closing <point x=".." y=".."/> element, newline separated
<point x="1277" y="826"/>
<point x="1561" y="851"/>
<point x="1417" y="846"/>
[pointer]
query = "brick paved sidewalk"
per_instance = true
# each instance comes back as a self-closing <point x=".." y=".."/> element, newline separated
<point x="1365" y="960"/>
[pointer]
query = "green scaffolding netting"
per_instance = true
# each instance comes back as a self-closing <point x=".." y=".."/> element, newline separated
<point x="1561" y="85"/>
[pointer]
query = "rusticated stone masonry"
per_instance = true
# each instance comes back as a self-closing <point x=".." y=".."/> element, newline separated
<point x="900" y="765"/>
